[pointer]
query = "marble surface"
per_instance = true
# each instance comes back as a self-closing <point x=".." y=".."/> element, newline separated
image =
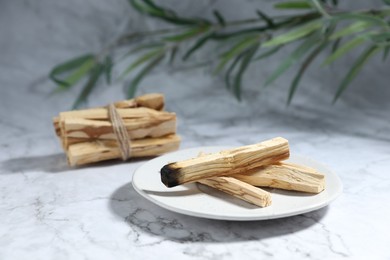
<point x="50" y="211"/>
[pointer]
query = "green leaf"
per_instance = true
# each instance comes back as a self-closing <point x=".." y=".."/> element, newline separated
<point x="362" y="59"/>
<point x="335" y="45"/>
<point x="152" y="4"/>
<point x="77" y="74"/>
<point x="243" y="66"/>
<point x="238" y="48"/>
<point x="379" y="38"/>
<point x="309" y="59"/>
<point x="386" y="2"/>
<point x="150" y="8"/>
<point x="131" y="90"/>
<point x="146" y="8"/>
<point x="360" y="17"/>
<point x="239" y="33"/>
<point x="141" y="48"/>
<point x="268" y="53"/>
<point x="355" y="27"/>
<point x="183" y="21"/>
<point x="266" y="18"/>
<point x="199" y="43"/>
<point x="94" y="75"/>
<point x="230" y="70"/>
<point x="292" y="59"/>
<point x="108" y="64"/>
<point x="294" y="34"/>
<point x="343" y="50"/>
<point x="320" y="8"/>
<point x="69" y="66"/>
<point x="302" y="69"/>
<point x="173" y="54"/>
<point x="144" y="58"/>
<point x="219" y="17"/>
<point x="186" y="35"/>
<point x="293" y="5"/>
<point x="385" y="52"/>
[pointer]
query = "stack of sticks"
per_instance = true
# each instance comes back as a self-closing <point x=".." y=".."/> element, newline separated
<point x="242" y="171"/>
<point x="87" y="136"/>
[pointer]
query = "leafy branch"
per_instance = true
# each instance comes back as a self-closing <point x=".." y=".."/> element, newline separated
<point x="317" y="26"/>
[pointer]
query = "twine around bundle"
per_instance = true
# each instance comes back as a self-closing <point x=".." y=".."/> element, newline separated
<point x="120" y="132"/>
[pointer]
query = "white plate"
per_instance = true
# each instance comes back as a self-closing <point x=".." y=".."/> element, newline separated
<point x="201" y="201"/>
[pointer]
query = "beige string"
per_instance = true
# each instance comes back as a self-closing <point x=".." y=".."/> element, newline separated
<point x="120" y="132"/>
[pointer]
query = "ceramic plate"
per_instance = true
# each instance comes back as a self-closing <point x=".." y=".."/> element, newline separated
<point x="201" y="201"/>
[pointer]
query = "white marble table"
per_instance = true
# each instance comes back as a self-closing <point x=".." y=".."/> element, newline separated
<point x="50" y="211"/>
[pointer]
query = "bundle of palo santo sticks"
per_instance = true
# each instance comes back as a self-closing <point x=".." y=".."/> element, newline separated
<point x="242" y="171"/>
<point x="87" y="136"/>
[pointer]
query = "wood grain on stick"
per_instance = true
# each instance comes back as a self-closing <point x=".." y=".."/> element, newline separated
<point x="285" y="176"/>
<point x="232" y="161"/>
<point x="80" y="130"/>
<point x="239" y="189"/>
<point x="102" y="114"/>
<point x="153" y="101"/>
<point x="101" y="150"/>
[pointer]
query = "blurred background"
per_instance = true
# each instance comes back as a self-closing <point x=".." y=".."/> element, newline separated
<point x="37" y="35"/>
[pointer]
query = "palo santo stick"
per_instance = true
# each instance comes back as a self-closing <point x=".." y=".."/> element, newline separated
<point x="56" y="124"/>
<point x="239" y="189"/>
<point x="153" y="101"/>
<point x="76" y="130"/>
<point x="101" y="150"/>
<point x="162" y="129"/>
<point x="101" y="114"/>
<point x="285" y="176"/>
<point x="233" y="161"/>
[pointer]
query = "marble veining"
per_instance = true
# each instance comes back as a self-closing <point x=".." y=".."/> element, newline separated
<point x="50" y="211"/>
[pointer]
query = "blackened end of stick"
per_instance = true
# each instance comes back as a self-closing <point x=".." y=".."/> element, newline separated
<point x="169" y="176"/>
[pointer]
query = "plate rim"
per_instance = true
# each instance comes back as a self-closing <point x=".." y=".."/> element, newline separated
<point x="238" y="218"/>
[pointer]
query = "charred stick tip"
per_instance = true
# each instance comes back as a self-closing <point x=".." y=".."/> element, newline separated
<point x="169" y="176"/>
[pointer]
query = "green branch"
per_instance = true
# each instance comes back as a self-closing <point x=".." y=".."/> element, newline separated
<point x="240" y="43"/>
